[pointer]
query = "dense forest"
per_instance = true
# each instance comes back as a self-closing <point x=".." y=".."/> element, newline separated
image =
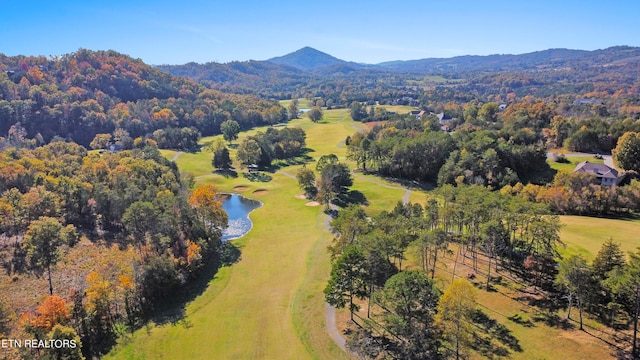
<point x="131" y="207"/>
<point x="80" y="95"/>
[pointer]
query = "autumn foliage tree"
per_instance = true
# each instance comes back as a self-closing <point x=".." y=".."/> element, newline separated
<point x="207" y="204"/>
<point x="52" y="311"/>
<point x="42" y="242"/>
<point x="454" y="314"/>
<point x="627" y="153"/>
<point x="315" y="114"/>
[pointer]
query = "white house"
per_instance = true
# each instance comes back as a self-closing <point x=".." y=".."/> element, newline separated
<point x="606" y="175"/>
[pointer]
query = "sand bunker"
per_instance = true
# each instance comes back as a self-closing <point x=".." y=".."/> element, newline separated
<point x="261" y="192"/>
<point x="241" y="188"/>
<point x="312" y="203"/>
<point x="301" y="196"/>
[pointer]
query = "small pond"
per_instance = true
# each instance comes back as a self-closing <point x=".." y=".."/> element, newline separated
<point x="238" y="208"/>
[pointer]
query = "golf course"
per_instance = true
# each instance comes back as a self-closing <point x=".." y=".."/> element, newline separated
<point x="270" y="304"/>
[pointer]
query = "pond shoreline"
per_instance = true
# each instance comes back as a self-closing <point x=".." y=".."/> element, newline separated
<point x="239" y="208"/>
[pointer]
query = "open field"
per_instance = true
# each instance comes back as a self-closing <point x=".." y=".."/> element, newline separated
<point x="270" y="304"/>
<point x="585" y="235"/>
<point x="399" y="109"/>
<point x="302" y="103"/>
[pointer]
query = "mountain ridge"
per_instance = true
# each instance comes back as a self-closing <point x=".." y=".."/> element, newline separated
<point x="310" y="59"/>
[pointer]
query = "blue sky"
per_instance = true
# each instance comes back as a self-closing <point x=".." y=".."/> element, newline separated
<point x="177" y="32"/>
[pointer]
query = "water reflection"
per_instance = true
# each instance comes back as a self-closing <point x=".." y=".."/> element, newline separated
<point x="238" y="208"/>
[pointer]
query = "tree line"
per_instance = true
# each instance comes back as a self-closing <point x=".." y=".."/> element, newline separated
<point x="412" y="150"/>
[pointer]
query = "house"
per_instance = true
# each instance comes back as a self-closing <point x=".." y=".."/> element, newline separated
<point x="445" y="121"/>
<point x="418" y="114"/>
<point x="114" y="148"/>
<point x="607" y="176"/>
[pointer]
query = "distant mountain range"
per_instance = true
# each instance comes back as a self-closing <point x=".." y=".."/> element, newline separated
<point x="307" y="68"/>
<point x="310" y="59"/>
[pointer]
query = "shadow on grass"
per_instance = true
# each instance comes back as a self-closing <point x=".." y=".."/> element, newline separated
<point x="492" y="330"/>
<point x="173" y="309"/>
<point x="518" y="319"/>
<point x="229" y="253"/>
<point x="552" y="319"/>
<point x="257" y="176"/>
<point x="351" y="197"/>
<point x="298" y="160"/>
<point x="409" y="184"/>
<point x="227" y="173"/>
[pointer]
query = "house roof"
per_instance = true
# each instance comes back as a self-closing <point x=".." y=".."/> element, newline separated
<point x="443" y="119"/>
<point x="599" y="170"/>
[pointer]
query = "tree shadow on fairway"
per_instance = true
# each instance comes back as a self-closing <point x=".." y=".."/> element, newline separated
<point x="351" y="197"/>
<point x="227" y="173"/>
<point x="301" y="159"/>
<point x="173" y="309"/>
<point x="229" y="253"/>
<point x="493" y="338"/>
<point x="257" y="176"/>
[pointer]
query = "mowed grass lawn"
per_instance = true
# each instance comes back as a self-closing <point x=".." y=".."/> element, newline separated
<point x="573" y="162"/>
<point x="585" y="235"/>
<point x="270" y="304"/>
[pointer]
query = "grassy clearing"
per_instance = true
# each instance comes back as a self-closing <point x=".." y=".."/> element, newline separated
<point x="400" y="109"/>
<point x="302" y="103"/>
<point x="585" y="235"/>
<point x="573" y="161"/>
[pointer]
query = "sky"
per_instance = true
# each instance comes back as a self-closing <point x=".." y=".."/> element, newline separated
<point x="178" y="32"/>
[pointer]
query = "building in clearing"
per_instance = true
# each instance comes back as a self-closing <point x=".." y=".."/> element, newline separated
<point x="606" y="175"/>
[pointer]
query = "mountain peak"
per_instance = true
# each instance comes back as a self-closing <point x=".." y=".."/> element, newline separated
<point x="307" y="59"/>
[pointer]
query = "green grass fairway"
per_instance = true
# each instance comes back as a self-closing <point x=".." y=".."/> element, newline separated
<point x="270" y="304"/>
<point x="246" y="312"/>
<point x="399" y="109"/>
<point x="585" y="235"/>
<point x="302" y="103"/>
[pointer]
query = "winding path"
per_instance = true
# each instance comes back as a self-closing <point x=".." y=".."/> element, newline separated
<point x="176" y="156"/>
<point x="332" y="328"/>
<point x="330" y="312"/>
<point x="407" y="191"/>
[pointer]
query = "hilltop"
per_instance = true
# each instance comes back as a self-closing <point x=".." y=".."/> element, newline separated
<point x="307" y="59"/>
<point x="77" y="96"/>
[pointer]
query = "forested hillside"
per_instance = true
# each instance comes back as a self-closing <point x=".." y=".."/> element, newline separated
<point x="111" y="234"/>
<point x="570" y="74"/>
<point x="77" y="96"/>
